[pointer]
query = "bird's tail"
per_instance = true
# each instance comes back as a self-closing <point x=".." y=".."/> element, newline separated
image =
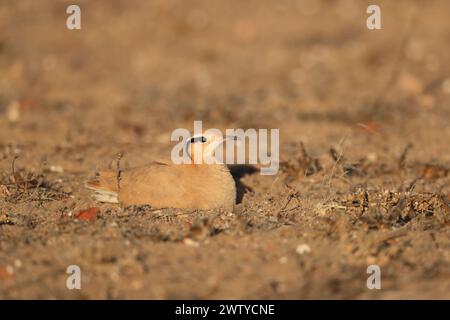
<point x="105" y="186"/>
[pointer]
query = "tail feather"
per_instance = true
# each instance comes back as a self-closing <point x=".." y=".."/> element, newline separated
<point x="104" y="185"/>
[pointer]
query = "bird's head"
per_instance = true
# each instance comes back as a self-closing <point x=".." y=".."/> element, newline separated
<point x="207" y="147"/>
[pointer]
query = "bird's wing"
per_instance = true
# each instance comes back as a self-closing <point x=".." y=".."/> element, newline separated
<point x="157" y="184"/>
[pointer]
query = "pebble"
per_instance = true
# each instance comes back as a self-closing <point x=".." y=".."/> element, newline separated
<point x="9" y="269"/>
<point x="56" y="169"/>
<point x="302" y="249"/>
<point x="13" y="112"/>
<point x="191" y="243"/>
<point x="283" y="260"/>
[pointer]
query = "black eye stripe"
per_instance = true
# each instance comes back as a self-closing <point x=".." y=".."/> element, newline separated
<point x="198" y="139"/>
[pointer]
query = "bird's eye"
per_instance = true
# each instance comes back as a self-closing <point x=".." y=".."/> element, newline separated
<point x="203" y="139"/>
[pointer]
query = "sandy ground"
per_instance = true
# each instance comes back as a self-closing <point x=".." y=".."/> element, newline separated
<point x="364" y="119"/>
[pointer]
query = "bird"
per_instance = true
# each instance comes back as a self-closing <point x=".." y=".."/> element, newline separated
<point x="164" y="184"/>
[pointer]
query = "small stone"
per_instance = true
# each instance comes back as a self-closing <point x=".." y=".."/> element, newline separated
<point x="302" y="249"/>
<point x="56" y="169"/>
<point x="191" y="243"/>
<point x="13" y="112"/>
<point x="9" y="269"/>
<point x="372" y="157"/>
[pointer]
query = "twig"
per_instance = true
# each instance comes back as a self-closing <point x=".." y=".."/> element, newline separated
<point x="13" y="169"/>
<point x="402" y="160"/>
<point x="118" y="170"/>
<point x="391" y="235"/>
<point x="289" y="199"/>
<point x="337" y="160"/>
<point x="395" y="212"/>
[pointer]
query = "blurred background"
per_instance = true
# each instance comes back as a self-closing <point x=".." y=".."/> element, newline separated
<point x="71" y="100"/>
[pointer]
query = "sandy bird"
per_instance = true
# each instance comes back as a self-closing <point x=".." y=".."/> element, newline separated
<point x="165" y="184"/>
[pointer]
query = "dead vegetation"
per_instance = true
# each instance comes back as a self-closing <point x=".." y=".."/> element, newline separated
<point x="20" y="186"/>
